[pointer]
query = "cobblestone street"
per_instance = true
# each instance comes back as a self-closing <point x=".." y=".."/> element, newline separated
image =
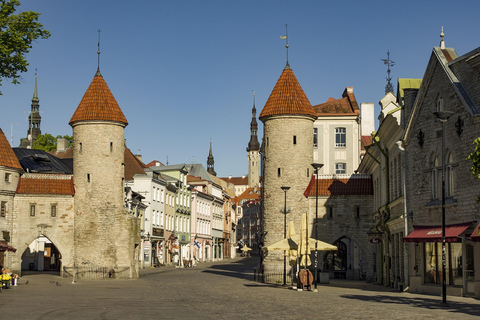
<point x="217" y="290"/>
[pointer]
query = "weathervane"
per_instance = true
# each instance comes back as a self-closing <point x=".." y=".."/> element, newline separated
<point x="389" y="63"/>
<point x="98" y="45"/>
<point x="285" y="37"/>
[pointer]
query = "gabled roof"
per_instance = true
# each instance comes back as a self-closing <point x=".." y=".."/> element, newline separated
<point x="249" y="194"/>
<point x="46" y="184"/>
<point x="133" y="165"/>
<point x="7" y="156"/>
<point x="287" y="98"/>
<point x="98" y="104"/>
<point x="40" y="161"/>
<point x="355" y="185"/>
<point x="406" y="84"/>
<point x="238" y="181"/>
<point x="347" y="105"/>
<point x="446" y="59"/>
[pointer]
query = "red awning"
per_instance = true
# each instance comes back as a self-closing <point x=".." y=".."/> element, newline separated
<point x="476" y="234"/>
<point x="5" y="247"/>
<point x="434" y="233"/>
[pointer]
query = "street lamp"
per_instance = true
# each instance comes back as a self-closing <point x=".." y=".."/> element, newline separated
<point x="443" y="116"/>
<point x="316" y="166"/>
<point x="285" y="189"/>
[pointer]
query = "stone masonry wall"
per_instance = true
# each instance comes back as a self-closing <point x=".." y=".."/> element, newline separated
<point x="294" y="162"/>
<point x="104" y="232"/>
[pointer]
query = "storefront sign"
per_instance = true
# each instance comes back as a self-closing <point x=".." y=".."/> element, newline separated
<point x="157" y="232"/>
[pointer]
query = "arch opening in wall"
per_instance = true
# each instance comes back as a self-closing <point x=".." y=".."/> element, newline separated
<point x="41" y="255"/>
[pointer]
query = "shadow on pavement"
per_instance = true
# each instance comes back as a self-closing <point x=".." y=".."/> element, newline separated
<point x="423" y="302"/>
<point x="242" y="268"/>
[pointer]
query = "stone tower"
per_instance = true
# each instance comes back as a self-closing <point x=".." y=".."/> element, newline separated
<point x="253" y="151"/>
<point x="211" y="162"/>
<point x="288" y="120"/>
<point x="105" y="234"/>
<point x="34" y="120"/>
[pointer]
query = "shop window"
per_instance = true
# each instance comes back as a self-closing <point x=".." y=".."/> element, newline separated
<point x="433" y="263"/>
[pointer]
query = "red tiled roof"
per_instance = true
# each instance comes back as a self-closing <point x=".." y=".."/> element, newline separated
<point x="98" y="104"/>
<point x="66" y="154"/>
<point x="236" y="180"/>
<point x="249" y="194"/>
<point x="7" y="156"/>
<point x="346" y="105"/>
<point x="45" y="185"/>
<point x="343" y="187"/>
<point x="155" y="163"/>
<point x="366" y="141"/>
<point x="287" y="98"/>
<point x="133" y="165"/>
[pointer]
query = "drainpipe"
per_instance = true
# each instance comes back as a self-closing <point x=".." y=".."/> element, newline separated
<point x="400" y="145"/>
<point x="387" y="209"/>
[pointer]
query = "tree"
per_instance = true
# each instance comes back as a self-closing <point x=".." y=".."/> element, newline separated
<point x="17" y="32"/>
<point x="475" y="157"/>
<point x="47" y="142"/>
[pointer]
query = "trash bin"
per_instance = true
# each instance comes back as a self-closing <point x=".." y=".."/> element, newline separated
<point x="324" y="277"/>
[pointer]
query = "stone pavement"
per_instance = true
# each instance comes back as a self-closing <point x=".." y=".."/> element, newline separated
<point x="217" y="290"/>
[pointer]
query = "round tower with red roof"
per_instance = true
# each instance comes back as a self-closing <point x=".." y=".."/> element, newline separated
<point x="104" y="231"/>
<point x="288" y="120"/>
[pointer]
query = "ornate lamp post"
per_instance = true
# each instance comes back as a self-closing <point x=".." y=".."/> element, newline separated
<point x="443" y="116"/>
<point x="316" y="166"/>
<point x="285" y="189"/>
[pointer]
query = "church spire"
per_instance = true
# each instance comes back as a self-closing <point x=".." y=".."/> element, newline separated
<point x="210" y="162"/>
<point x="34" y="118"/>
<point x="253" y="145"/>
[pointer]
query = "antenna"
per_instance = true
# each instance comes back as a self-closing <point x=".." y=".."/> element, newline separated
<point x="167" y="159"/>
<point x="253" y="98"/>
<point x="389" y="63"/>
<point x="98" y="51"/>
<point x="285" y="37"/>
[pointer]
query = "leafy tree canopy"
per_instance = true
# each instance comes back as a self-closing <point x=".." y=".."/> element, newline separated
<point x="47" y="142"/>
<point x="475" y="157"/>
<point x="17" y="32"/>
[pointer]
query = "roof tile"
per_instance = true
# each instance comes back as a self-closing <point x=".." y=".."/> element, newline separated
<point x="287" y="98"/>
<point x="7" y="156"/>
<point x="55" y="184"/>
<point x="343" y="187"/>
<point x="98" y="104"/>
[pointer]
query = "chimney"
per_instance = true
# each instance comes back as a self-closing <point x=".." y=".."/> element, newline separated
<point x="138" y="156"/>
<point x="367" y="110"/>
<point x="62" y="144"/>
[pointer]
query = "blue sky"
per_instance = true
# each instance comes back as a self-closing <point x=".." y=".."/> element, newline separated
<point x="183" y="71"/>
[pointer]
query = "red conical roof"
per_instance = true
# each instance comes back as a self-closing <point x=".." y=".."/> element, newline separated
<point x="287" y="98"/>
<point x="98" y="104"/>
<point x="7" y="156"/>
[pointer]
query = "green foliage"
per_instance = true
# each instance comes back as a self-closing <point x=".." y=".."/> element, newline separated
<point x="17" y="32"/>
<point x="475" y="157"/>
<point x="47" y="142"/>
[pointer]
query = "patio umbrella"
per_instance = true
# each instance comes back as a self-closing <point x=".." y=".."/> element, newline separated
<point x="292" y="253"/>
<point x="303" y="243"/>
<point x="283" y="245"/>
<point x="245" y="249"/>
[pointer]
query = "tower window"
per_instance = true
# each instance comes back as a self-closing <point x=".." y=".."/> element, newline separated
<point x="268" y="142"/>
<point x="308" y="172"/>
<point x="111" y="146"/>
<point x="357" y="208"/>
<point x="80" y="146"/>
<point x="279" y="172"/>
<point x="315" y="137"/>
<point x="53" y="210"/>
<point x="88" y="177"/>
<point x="32" y="210"/>
<point x="294" y="139"/>
<point x="7" y="177"/>
<point x="3" y="209"/>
